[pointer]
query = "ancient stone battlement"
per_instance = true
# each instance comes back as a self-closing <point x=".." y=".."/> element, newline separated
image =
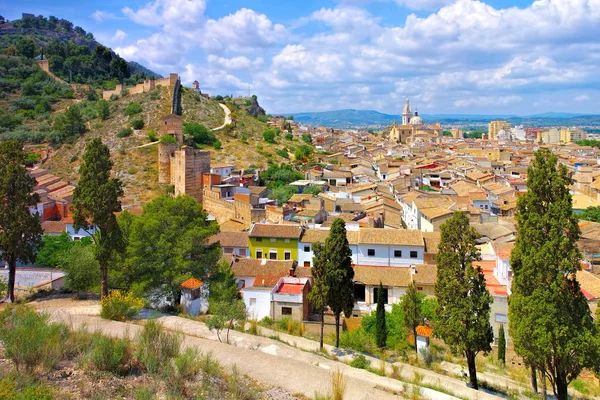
<point x="146" y="86"/>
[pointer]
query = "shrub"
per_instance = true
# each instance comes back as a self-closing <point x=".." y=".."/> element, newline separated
<point x="133" y="108"/>
<point x="119" y="306"/>
<point x="29" y="339"/>
<point x="111" y="355"/>
<point x="152" y="136"/>
<point x="282" y="153"/>
<point x="253" y="329"/>
<point x="267" y="321"/>
<point x="11" y="389"/>
<point x="216" y="145"/>
<point x="244" y="138"/>
<point x="357" y="340"/>
<point x="283" y="323"/>
<point x="156" y="348"/>
<point x="360" y="362"/>
<point x="338" y="385"/>
<point x="137" y="123"/>
<point x="168" y="139"/>
<point x="269" y="136"/>
<point x="124" y="132"/>
<point x="114" y="97"/>
<point x="187" y="363"/>
<point x="289" y="136"/>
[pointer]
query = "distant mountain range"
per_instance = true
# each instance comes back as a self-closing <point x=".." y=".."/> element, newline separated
<point x="350" y="118"/>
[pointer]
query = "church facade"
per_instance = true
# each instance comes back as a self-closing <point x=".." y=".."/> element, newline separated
<point x="413" y="130"/>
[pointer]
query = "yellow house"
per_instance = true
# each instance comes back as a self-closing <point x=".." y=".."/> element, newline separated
<point x="274" y="241"/>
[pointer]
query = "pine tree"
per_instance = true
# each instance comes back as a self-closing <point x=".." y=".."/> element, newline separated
<point x="380" y="325"/>
<point x="501" y="346"/>
<point x="464" y="302"/>
<point x="20" y="231"/>
<point x="411" y="307"/>
<point x="318" y="294"/>
<point x="95" y="202"/>
<point x="339" y="274"/>
<point x="549" y="319"/>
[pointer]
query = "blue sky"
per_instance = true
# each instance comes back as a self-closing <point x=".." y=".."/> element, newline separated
<point x="448" y="56"/>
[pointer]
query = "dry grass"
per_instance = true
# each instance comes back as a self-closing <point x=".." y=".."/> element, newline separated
<point x="338" y="385"/>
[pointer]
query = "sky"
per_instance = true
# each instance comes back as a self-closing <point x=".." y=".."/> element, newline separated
<point x="448" y="56"/>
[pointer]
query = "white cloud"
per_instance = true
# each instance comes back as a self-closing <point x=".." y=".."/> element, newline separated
<point x="486" y="101"/>
<point x="167" y="12"/>
<point x="118" y="37"/>
<point x="423" y="4"/>
<point x="240" y="62"/>
<point x="582" y="97"/>
<point x="100" y="16"/>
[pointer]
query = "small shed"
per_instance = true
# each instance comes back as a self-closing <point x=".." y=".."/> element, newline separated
<point x="423" y="335"/>
<point x="194" y="297"/>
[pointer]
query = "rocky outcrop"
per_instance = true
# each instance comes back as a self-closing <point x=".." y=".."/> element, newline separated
<point x="255" y="109"/>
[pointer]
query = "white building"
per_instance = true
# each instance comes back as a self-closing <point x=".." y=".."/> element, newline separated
<point x="221" y="169"/>
<point x="194" y="297"/>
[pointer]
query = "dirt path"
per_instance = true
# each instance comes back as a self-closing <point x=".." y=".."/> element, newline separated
<point x="227" y="119"/>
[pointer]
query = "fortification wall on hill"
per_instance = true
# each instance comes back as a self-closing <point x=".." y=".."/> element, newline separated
<point x="144" y="87"/>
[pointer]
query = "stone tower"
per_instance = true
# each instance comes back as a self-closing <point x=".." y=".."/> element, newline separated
<point x="406" y="113"/>
<point x="165" y="153"/>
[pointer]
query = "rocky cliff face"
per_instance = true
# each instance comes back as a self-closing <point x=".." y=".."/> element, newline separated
<point x="255" y="109"/>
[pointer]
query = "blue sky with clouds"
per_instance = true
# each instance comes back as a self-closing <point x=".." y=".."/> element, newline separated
<point x="448" y="56"/>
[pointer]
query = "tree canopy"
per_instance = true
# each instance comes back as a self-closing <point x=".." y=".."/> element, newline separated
<point x="549" y="318"/>
<point x="412" y="302"/>
<point x="463" y="313"/>
<point x="20" y="230"/>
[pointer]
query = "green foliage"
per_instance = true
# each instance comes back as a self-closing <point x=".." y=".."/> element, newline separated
<point x="224" y="316"/>
<point x="315" y="190"/>
<point x="549" y="318"/>
<point x="168" y="139"/>
<point x="396" y="335"/>
<point x="200" y="133"/>
<point x="464" y="302"/>
<point x="187" y="364"/>
<point x="166" y="245"/>
<point x="13" y="388"/>
<point x="318" y="294"/>
<point x="289" y="136"/>
<point x="133" y="108"/>
<point x="70" y="123"/>
<point x="156" y="347"/>
<point x="448" y="133"/>
<point x="429" y="309"/>
<point x="114" y="97"/>
<point x="590" y="214"/>
<point x="501" y="345"/>
<point x="137" y="123"/>
<point x="124" y="132"/>
<point x="81" y="267"/>
<point x="152" y="136"/>
<point x="111" y="355"/>
<point x="30" y="340"/>
<point x="360" y="362"/>
<point x="283" y="193"/>
<point x="276" y="176"/>
<point x="20" y="230"/>
<point x="303" y="153"/>
<point x="269" y="135"/>
<point x="358" y="340"/>
<point x="474" y="135"/>
<point x="52" y="249"/>
<point x="282" y="153"/>
<point x="412" y="303"/>
<point x="262" y="118"/>
<point x="589" y="142"/>
<point x="380" y="325"/>
<point x="217" y="145"/>
<point x="307" y="138"/>
<point x="119" y="306"/>
<point x="223" y="287"/>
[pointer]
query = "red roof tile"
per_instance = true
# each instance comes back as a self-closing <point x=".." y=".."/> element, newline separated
<point x="291" y="288"/>
<point x="191" y="283"/>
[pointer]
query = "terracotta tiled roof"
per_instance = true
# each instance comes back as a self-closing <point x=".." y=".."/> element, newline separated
<point x="53" y="226"/>
<point x="276" y="231"/>
<point x="191" y="283"/>
<point x="425" y="275"/>
<point x="256" y="267"/>
<point x="388" y="276"/>
<point x="590" y="283"/>
<point x="314" y="235"/>
<point x="262" y="280"/>
<point x="257" y="189"/>
<point x="404" y="237"/>
<point x="230" y="239"/>
<point x="234" y="226"/>
<point x="432" y="241"/>
<point x="424" y="331"/>
<point x="435" y="212"/>
<point x="291" y="288"/>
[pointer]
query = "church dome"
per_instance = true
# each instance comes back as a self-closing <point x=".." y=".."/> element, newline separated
<point x="416" y="120"/>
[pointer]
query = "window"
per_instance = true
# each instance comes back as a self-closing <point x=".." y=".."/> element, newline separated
<point x="259" y="239"/>
<point x="371" y="252"/>
<point x="286" y="310"/>
<point x="501" y="318"/>
<point x="419" y="288"/>
<point x="258" y="253"/>
<point x="414" y="254"/>
<point x="397" y="253"/>
<point x="307" y="249"/>
<point x="273" y="240"/>
<point x="307" y="264"/>
<point x="195" y="294"/>
<point x="287" y="240"/>
<point x="227" y="250"/>
<point x="242" y="252"/>
<point x="359" y="292"/>
<point x="287" y="255"/>
<point x="252" y="301"/>
<point x="376" y="295"/>
<point x="273" y="255"/>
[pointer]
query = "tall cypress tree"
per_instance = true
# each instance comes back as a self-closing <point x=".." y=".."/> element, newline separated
<point x="380" y="325"/>
<point x="501" y="346"/>
<point x="95" y="202"/>
<point x="20" y="231"/>
<point x="464" y="302"/>
<point x="318" y="294"/>
<point x="411" y="307"/>
<point x="549" y="318"/>
<point x="339" y="274"/>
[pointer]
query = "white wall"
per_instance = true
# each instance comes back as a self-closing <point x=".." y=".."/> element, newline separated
<point x="197" y="306"/>
<point x="426" y="226"/>
<point x="77" y="235"/>
<point x="384" y="255"/>
<point x="262" y="303"/>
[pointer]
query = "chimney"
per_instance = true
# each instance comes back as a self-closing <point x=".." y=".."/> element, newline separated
<point x="291" y="272"/>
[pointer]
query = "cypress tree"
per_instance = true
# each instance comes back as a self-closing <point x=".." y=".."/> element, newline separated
<point x="339" y="274"/>
<point x="411" y="307"/>
<point x="464" y="302"/>
<point x="549" y="319"/>
<point x="380" y="326"/>
<point x="95" y="202"/>
<point x="501" y="346"/>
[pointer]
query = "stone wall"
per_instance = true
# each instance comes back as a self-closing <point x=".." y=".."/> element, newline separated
<point x="222" y="210"/>
<point x="146" y="86"/>
<point x="165" y="153"/>
<point x="189" y="165"/>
